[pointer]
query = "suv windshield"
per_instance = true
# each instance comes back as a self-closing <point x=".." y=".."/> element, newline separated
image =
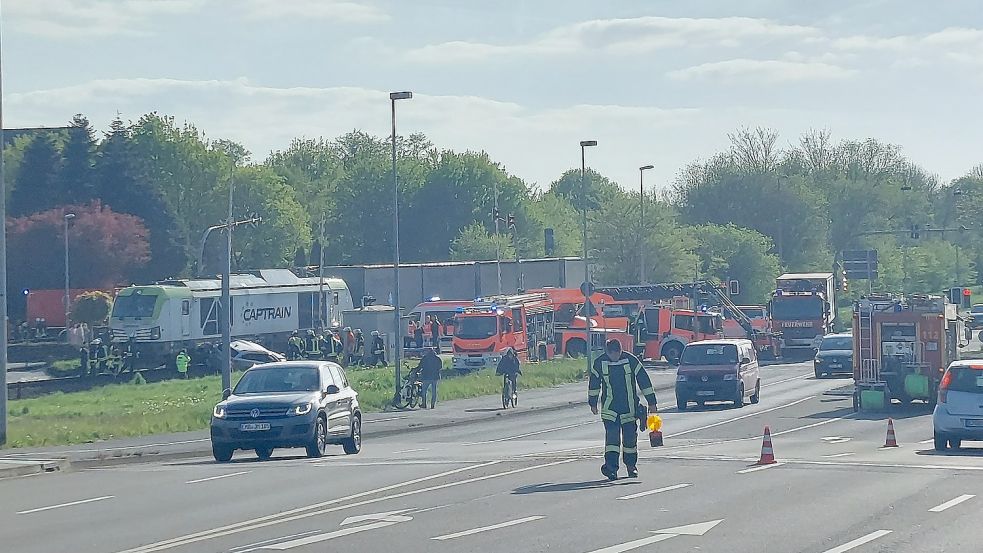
<point x="965" y="379"/>
<point x="797" y="307"/>
<point x="135" y="306"/>
<point x="977" y="309"/>
<point x="709" y="354"/>
<point x="278" y="379"/>
<point x="476" y="328"/>
<point x="836" y="343"/>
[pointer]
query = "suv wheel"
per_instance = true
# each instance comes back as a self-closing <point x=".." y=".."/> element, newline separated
<point x="940" y="442"/>
<point x="353" y="443"/>
<point x="680" y="403"/>
<point x="320" y="439"/>
<point x="739" y="400"/>
<point x="222" y="454"/>
<point x="756" y="397"/>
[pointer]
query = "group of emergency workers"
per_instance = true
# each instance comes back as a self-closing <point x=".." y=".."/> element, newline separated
<point x="97" y="357"/>
<point x="345" y="347"/>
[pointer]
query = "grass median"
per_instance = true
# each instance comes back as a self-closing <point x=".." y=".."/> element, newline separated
<point x="127" y="410"/>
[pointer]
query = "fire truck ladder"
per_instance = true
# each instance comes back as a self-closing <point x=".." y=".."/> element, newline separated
<point x="706" y="290"/>
<point x="869" y="366"/>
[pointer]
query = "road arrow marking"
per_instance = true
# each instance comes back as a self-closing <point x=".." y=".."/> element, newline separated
<point x="661" y="535"/>
<point x="836" y="439"/>
<point x="389" y="516"/>
<point x="382" y="520"/>
<point x="659" y="490"/>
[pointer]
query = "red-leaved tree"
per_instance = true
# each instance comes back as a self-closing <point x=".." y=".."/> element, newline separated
<point x="105" y="248"/>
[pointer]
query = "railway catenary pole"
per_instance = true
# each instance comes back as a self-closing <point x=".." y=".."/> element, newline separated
<point x="226" y="292"/>
<point x="397" y="332"/>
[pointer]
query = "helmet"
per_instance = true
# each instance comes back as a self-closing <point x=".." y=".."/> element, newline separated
<point x="358" y="332"/>
<point x="294" y="333"/>
<point x="375" y="332"/>
<point x="310" y="333"/>
<point x="97" y="342"/>
<point x="347" y="329"/>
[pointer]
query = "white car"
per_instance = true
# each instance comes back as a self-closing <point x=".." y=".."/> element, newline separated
<point x="958" y="414"/>
<point x="246" y="354"/>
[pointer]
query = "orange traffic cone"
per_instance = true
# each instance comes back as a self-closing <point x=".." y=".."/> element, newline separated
<point x="767" y="453"/>
<point x="892" y="440"/>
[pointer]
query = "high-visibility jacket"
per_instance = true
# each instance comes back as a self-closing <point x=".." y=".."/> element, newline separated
<point x="378" y="346"/>
<point x="617" y="385"/>
<point x="182" y="361"/>
<point x="312" y="346"/>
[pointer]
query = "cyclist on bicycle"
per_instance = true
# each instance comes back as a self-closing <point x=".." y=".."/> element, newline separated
<point x="509" y="366"/>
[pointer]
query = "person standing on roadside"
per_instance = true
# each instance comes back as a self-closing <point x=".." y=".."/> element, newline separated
<point x="617" y="380"/>
<point x="430" y="366"/>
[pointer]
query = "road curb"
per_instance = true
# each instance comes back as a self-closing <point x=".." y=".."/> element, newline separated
<point x="143" y="456"/>
<point x="13" y="468"/>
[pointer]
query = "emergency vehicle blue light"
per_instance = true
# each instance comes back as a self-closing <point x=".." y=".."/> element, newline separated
<point x="898" y="308"/>
<point x="435" y="298"/>
<point x="459" y="310"/>
<point x="26" y="291"/>
<point x="778" y="292"/>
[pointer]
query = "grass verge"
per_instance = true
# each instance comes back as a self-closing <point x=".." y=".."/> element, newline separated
<point x="126" y="410"/>
<point x="63" y="367"/>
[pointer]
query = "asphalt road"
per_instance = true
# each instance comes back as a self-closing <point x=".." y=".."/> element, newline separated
<point x="532" y="483"/>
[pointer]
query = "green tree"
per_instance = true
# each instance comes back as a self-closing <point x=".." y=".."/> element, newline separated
<point x="599" y="188"/>
<point x="36" y="188"/>
<point x="92" y="308"/>
<point x="731" y="252"/>
<point x="475" y="243"/>
<point x="550" y="210"/>
<point x="75" y="178"/>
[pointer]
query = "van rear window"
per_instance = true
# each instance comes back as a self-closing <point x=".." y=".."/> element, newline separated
<point x="709" y="354"/>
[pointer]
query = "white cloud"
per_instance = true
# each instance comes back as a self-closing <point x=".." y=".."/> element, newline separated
<point x="351" y="11"/>
<point x="65" y="19"/>
<point x="769" y="71"/>
<point x="956" y="44"/>
<point x="623" y="36"/>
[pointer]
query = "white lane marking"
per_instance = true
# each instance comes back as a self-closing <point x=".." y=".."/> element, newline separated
<point x="231" y="474"/>
<point x="756" y="469"/>
<point x="60" y="505"/>
<point x="838" y="455"/>
<point x="659" y="490"/>
<point x="728" y="421"/>
<point x="318" y="538"/>
<point x="488" y="528"/>
<point x="166" y="544"/>
<point x="928" y="441"/>
<point x="807" y="426"/>
<point x="836" y="439"/>
<point x="698" y="529"/>
<point x="409" y="450"/>
<point x="280" y="518"/>
<point x="823" y="463"/>
<point x="951" y="503"/>
<point x="526" y="435"/>
<point x="800" y="377"/>
<point x="859" y="541"/>
<point x="256" y="545"/>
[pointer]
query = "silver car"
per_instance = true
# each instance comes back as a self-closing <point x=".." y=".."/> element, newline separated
<point x="958" y="414"/>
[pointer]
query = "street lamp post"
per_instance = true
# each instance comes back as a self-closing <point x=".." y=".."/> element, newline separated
<point x="397" y="337"/>
<point x="641" y="219"/>
<point x="68" y="297"/>
<point x="584" y="144"/>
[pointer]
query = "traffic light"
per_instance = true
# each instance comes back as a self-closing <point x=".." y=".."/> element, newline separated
<point x="496" y="215"/>
<point x="734" y="287"/>
<point x="511" y="221"/>
<point x="955" y="295"/>
<point x="550" y="245"/>
<point x="915" y="232"/>
<point x="967" y="297"/>
<point x="844" y="283"/>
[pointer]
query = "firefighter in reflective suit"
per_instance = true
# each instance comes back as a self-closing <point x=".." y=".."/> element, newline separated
<point x="617" y="380"/>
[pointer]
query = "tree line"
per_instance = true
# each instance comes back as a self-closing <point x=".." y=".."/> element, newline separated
<point x="145" y="192"/>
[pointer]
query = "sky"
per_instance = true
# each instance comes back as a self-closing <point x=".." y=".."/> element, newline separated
<point x="653" y="81"/>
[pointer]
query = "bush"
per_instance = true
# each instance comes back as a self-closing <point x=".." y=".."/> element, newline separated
<point x="92" y="308"/>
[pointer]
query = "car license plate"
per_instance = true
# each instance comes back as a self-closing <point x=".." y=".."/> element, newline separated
<point x="974" y="423"/>
<point x="835" y="366"/>
<point x="705" y="393"/>
<point x="254" y="426"/>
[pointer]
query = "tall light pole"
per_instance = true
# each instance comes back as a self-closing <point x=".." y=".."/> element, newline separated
<point x="398" y="336"/>
<point x="498" y="246"/>
<point x="586" y="288"/>
<point x="322" y="310"/>
<point x="3" y="283"/>
<point x="68" y="297"/>
<point x="641" y="219"/>
<point x="227" y="292"/>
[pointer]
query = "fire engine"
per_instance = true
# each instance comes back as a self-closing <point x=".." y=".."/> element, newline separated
<point x="609" y="319"/>
<point x="802" y="309"/>
<point x="484" y="330"/>
<point x="902" y="346"/>
<point x="673" y="317"/>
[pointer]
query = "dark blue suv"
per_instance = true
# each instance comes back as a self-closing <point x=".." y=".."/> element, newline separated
<point x="305" y="404"/>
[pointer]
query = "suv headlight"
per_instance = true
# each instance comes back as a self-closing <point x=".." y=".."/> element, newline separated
<point x="730" y="376"/>
<point x="819" y="360"/>
<point x="680" y="378"/>
<point x="301" y="409"/>
<point x="219" y="412"/>
<point x="155" y="333"/>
